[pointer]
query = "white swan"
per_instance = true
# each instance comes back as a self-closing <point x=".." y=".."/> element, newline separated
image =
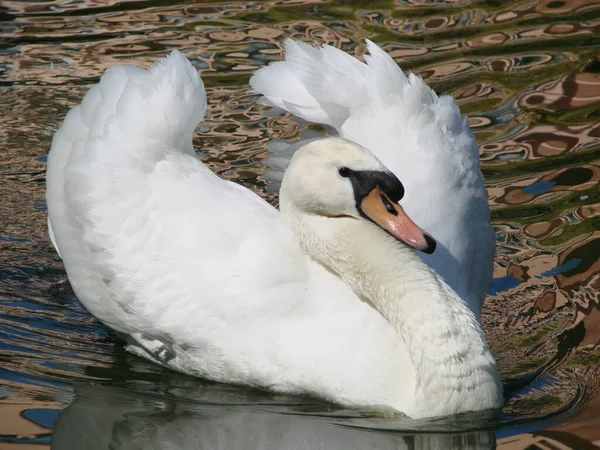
<point x="203" y="276"/>
<point x="419" y="136"/>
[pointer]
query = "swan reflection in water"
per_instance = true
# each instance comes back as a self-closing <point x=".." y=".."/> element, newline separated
<point x="104" y="417"/>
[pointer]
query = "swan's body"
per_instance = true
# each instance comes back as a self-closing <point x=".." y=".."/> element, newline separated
<point x="204" y="277"/>
<point x="423" y="139"/>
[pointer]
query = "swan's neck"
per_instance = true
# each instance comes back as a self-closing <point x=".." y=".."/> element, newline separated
<point x="453" y="366"/>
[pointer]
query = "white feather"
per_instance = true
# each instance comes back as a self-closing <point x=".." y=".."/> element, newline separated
<point x="421" y="137"/>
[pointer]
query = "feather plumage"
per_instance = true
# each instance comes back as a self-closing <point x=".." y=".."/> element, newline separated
<point x="421" y="137"/>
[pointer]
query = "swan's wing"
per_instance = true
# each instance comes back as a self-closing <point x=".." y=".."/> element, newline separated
<point x="141" y="224"/>
<point x="421" y="137"/>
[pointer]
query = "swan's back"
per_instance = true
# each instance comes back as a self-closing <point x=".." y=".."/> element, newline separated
<point x="421" y="137"/>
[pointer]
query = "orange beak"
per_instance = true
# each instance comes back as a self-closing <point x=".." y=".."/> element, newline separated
<point x="391" y="217"/>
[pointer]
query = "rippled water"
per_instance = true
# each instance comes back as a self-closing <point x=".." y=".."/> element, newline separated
<point x="527" y="75"/>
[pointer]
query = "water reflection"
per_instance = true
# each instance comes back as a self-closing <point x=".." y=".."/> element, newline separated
<point x="101" y="418"/>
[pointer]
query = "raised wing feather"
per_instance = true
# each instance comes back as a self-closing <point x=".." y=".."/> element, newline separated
<point x="133" y="201"/>
<point x="421" y="137"/>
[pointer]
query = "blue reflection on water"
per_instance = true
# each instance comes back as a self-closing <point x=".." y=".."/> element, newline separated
<point x="539" y="187"/>
<point x="43" y="417"/>
<point x="502" y="284"/>
<point x="568" y="265"/>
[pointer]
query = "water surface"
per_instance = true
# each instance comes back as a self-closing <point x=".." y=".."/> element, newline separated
<point x="525" y="72"/>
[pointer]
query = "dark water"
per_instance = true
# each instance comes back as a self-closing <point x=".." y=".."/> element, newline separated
<point x="526" y="73"/>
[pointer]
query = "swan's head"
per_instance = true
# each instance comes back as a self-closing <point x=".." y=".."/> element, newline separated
<point x="337" y="178"/>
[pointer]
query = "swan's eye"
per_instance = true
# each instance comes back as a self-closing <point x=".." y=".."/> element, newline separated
<point x="345" y="172"/>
